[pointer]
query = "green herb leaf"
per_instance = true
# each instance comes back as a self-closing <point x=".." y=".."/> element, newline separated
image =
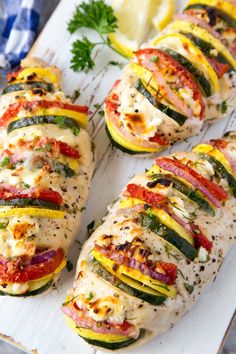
<point x="5" y="161"/>
<point x="60" y="121"/>
<point x="154" y="59"/>
<point x="189" y="288"/>
<point x="26" y="185"/>
<point x="39" y="149"/>
<point x="90" y="227"/>
<point x="224" y="107"/>
<point x="116" y="63"/>
<point x="69" y="266"/>
<point x="96" y="15"/>
<point x="82" y="55"/>
<point x="3" y="225"/>
<point x="75" y="95"/>
<point x="75" y="131"/>
<point x="91" y="296"/>
<point x="48" y="147"/>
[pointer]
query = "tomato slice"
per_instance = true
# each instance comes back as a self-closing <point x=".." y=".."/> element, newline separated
<point x="46" y="194"/>
<point x="170" y="269"/>
<point x="18" y="270"/>
<point x="49" y="195"/>
<point x="210" y="189"/>
<point x="159" y="139"/>
<point x="67" y="150"/>
<point x="164" y="68"/>
<point x="220" y="68"/>
<point x="14" y="108"/>
<point x="12" y="76"/>
<point x="219" y="143"/>
<point x="200" y="239"/>
<point x="139" y="192"/>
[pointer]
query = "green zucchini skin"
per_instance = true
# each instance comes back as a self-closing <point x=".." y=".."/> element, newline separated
<point x="221" y="170"/>
<point x="228" y="19"/>
<point x="29" y="85"/>
<point x="58" y="167"/>
<point x="111" y="346"/>
<point x="176" y="116"/>
<point x="152" y="223"/>
<point x="63" y="169"/>
<point x="151" y="299"/>
<point x="199" y="76"/>
<point x="120" y="147"/>
<point x="206" y="48"/>
<point x="190" y="193"/>
<point x="36" y="120"/>
<point x="23" y="202"/>
<point x="32" y="293"/>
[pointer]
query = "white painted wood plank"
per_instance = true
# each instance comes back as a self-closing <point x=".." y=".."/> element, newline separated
<point x="37" y="323"/>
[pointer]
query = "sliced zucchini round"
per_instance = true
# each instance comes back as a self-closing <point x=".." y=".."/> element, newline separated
<point x="199" y="76"/>
<point x="107" y="341"/>
<point x="152" y="223"/>
<point x="189" y="192"/>
<point x="38" y="291"/>
<point x="182" y="45"/>
<point x="61" y="121"/>
<point x="221" y="171"/>
<point x="129" y="285"/>
<point x="28" y="85"/>
<point x="176" y="116"/>
<point x="226" y="6"/>
<point x="120" y="147"/>
<point x="23" y="202"/>
<point x="231" y="22"/>
<point x="205" y="41"/>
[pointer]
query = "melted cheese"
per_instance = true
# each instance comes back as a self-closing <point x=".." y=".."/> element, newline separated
<point x="135" y="105"/>
<point x="15" y="239"/>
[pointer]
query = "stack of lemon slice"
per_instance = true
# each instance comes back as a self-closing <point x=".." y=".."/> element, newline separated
<point x="136" y="20"/>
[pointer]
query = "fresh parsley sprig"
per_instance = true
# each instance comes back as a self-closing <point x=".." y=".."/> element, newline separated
<point x="98" y="16"/>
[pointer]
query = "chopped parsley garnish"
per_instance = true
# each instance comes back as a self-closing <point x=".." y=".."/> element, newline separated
<point x="90" y="227"/>
<point x="154" y="59"/>
<point x="75" y="131"/>
<point x="189" y="288"/>
<point x="69" y="266"/>
<point x="5" y="161"/>
<point x="3" y="225"/>
<point x="98" y="16"/>
<point x="224" y="107"/>
<point x="91" y="296"/>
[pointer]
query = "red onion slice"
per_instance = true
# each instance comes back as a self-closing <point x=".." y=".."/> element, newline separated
<point x="43" y="257"/>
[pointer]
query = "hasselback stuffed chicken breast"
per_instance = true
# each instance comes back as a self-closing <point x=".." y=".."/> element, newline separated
<point x="46" y="162"/>
<point x="179" y="80"/>
<point x="161" y="242"/>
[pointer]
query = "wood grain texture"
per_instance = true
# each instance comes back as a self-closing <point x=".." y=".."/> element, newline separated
<point x="37" y="323"/>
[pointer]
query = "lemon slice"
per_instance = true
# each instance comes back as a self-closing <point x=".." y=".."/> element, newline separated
<point x="164" y="15"/>
<point x="136" y="19"/>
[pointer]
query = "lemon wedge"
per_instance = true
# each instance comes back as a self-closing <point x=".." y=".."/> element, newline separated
<point x="136" y="19"/>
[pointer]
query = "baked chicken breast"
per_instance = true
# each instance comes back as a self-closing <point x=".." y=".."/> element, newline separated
<point x="181" y="79"/>
<point x="46" y="164"/>
<point x="162" y="241"/>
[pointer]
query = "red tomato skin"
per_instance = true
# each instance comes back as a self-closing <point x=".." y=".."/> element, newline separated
<point x="200" y="239"/>
<point x="18" y="271"/>
<point x="136" y="191"/>
<point x="14" y="108"/>
<point x="69" y="151"/>
<point x="217" y="191"/>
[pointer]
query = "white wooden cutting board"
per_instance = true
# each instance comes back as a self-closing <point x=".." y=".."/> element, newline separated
<point x="37" y="323"/>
